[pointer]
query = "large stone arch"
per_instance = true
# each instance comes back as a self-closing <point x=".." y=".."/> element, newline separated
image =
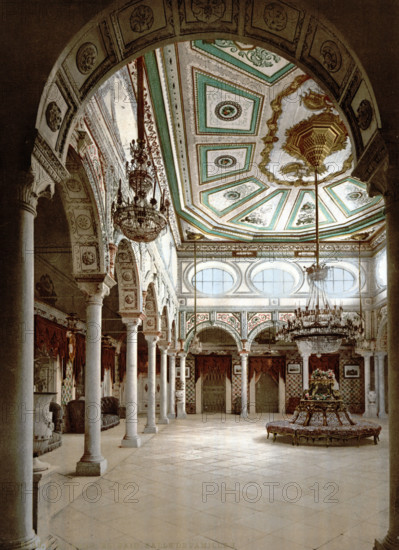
<point x="214" y="324"/>
<point x="258" y="329"/>
<point x="88" y="252"/>
<point x="124" y="31"/>
<point x="129" y="285"/>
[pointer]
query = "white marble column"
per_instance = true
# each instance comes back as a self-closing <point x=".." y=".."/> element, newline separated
<point x="163" y="416"/>
<point x="181" y="404"/>
<point x="16" y="373"/>
<point x="172" y="384"/>
<point x="152" y="339"/>
<point x="92" y="462"/>
<point x="381" y="384"/>
<point x="131" y="438"/>
<point x="244" y="384"/>
<point x="305" y="371"/>
<point x="377" y="398"/>
<point x="366" y="357"/>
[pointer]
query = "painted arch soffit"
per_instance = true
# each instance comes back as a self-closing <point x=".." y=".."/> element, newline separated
<point x="225" y="89"/>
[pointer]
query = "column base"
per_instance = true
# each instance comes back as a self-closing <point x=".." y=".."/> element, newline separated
<point x="92" y="468"/>
<point x="131" y="441"/>
<point x="171" y="416"/>
<point x="31" y="543"/>
<point x="382" y="415"/>
<point x="387" y="544"/>
<point x="150" y="430"/>
<point x="164" y="420"/>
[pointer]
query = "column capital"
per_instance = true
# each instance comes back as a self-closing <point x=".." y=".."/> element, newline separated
<point x="152" y="337"/>
<point x="95" y="286"/>
<point x="130" y="319"/>
<point x="182" y="354"/>
<point x="163" y="346"/>
<point x="364" y="353"/>
<point x="172" y="352"/>
<point x="244" y="353"/>
<point x="380" y="353"/>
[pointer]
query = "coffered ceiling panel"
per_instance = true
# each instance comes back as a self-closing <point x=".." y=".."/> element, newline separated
<point x="227" y="117"/>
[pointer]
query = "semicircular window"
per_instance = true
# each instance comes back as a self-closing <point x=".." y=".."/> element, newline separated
<point x="339" y="281"/>
<point x="273" y="281"/>
<point x="213" y="281"/>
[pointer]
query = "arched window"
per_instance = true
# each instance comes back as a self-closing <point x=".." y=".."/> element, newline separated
<point x="213" y="281"/>
<point x="339" y="281"/>
<point x="275" y="282"/>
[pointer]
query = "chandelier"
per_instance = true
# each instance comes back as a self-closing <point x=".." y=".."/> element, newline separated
<point x="320" y="327"/>
<point x="195" y="345"/>
<point x="138" y="216"/>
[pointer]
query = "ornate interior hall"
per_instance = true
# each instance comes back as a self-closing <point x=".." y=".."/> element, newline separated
<point x="199" y="216"/>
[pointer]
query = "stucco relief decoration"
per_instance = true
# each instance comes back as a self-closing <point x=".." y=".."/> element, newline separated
<point x="275" y="17"/>
<point x="332" y="58"/>
<point x="256" y="319"/>
<point x="208" y="11"/>
<point x="86" y="58"/>
<point x="83" y="221"/>
<point x="229" y="319"/>
<point x="225" y="161"/>
<point x="228" y="110"/>
<point x="201" y="318"/>
<point x="141" y="19"/>
<point x="130" y="299"/>
<point x="74" y="186"/>
<point x="127" y="276"/>
<point x="259" y="57"/>
<point x="364" y="114"/>
<point x="53" y="116"/>
<point x="88" y="257"/>
<point x="123" y="257"/>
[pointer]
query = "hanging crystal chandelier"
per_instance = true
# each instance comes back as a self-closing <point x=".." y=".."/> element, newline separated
<point x="320" y="327"/>
<point x="137" y="216"/>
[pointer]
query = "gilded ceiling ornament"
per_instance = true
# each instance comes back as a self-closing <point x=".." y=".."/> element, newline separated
<point x="208" y="11"/>
<point x="364" y="114"/>
<point x="332" y="58"/>
<point x="86" y="57"/>
<point x="141" y="19"/>
<point x="316" y="102"/>
<point x="297" y="170"/>
<point x="275" y="16"/>
<point x="53" y="116"/>
<point x="314" y="139"/>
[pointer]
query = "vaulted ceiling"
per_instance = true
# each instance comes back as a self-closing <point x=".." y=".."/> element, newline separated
<point x="227" y="116"/>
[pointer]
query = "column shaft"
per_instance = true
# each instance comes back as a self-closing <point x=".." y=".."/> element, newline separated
<point x="92" y="462"/>
<point x="305" y="373"/>
<point x="381" y="386"/>
<point x="151" y="427"/>
<point x="391" y="540"/>
<point x="366" y="357"/>
<point x="16" y="379"/>
<point x="131" y="439"/>
<point x="244" y="385"/>
<point x="172" y="385"/>
<point x="181" y="404"/>
<point x="163" y="418"/>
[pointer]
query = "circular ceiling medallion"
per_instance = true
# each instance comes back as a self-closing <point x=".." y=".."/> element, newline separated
<point x="232" y="195"/>
<point x="332" y="59"/>
<point x="83" y="221"/>
<point x="53" y="116"/>
<point x="86" y="57"/>
<point x="275" y="16"/>
<point x="208" y="11"/>
<point x="228" y="110"/>
<point x="225" y="161"/>
<point x="141" y="19"/>
<point x="364" y="114"/>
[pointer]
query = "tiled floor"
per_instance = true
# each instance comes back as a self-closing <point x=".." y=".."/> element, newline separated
<point x="219" y="483"/>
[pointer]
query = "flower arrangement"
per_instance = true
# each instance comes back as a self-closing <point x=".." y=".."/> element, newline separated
<point x="319" y="374"/>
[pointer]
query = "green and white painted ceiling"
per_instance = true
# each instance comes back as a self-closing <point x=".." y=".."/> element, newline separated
<point x="223" y="111"/>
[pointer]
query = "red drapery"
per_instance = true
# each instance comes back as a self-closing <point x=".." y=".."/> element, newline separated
<point x="275" y="366"/>
<point x="51" y="336"/>
<point x="108" y="362"/>
<point x="205" y="363"/>
<point x="80" y="354"/>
